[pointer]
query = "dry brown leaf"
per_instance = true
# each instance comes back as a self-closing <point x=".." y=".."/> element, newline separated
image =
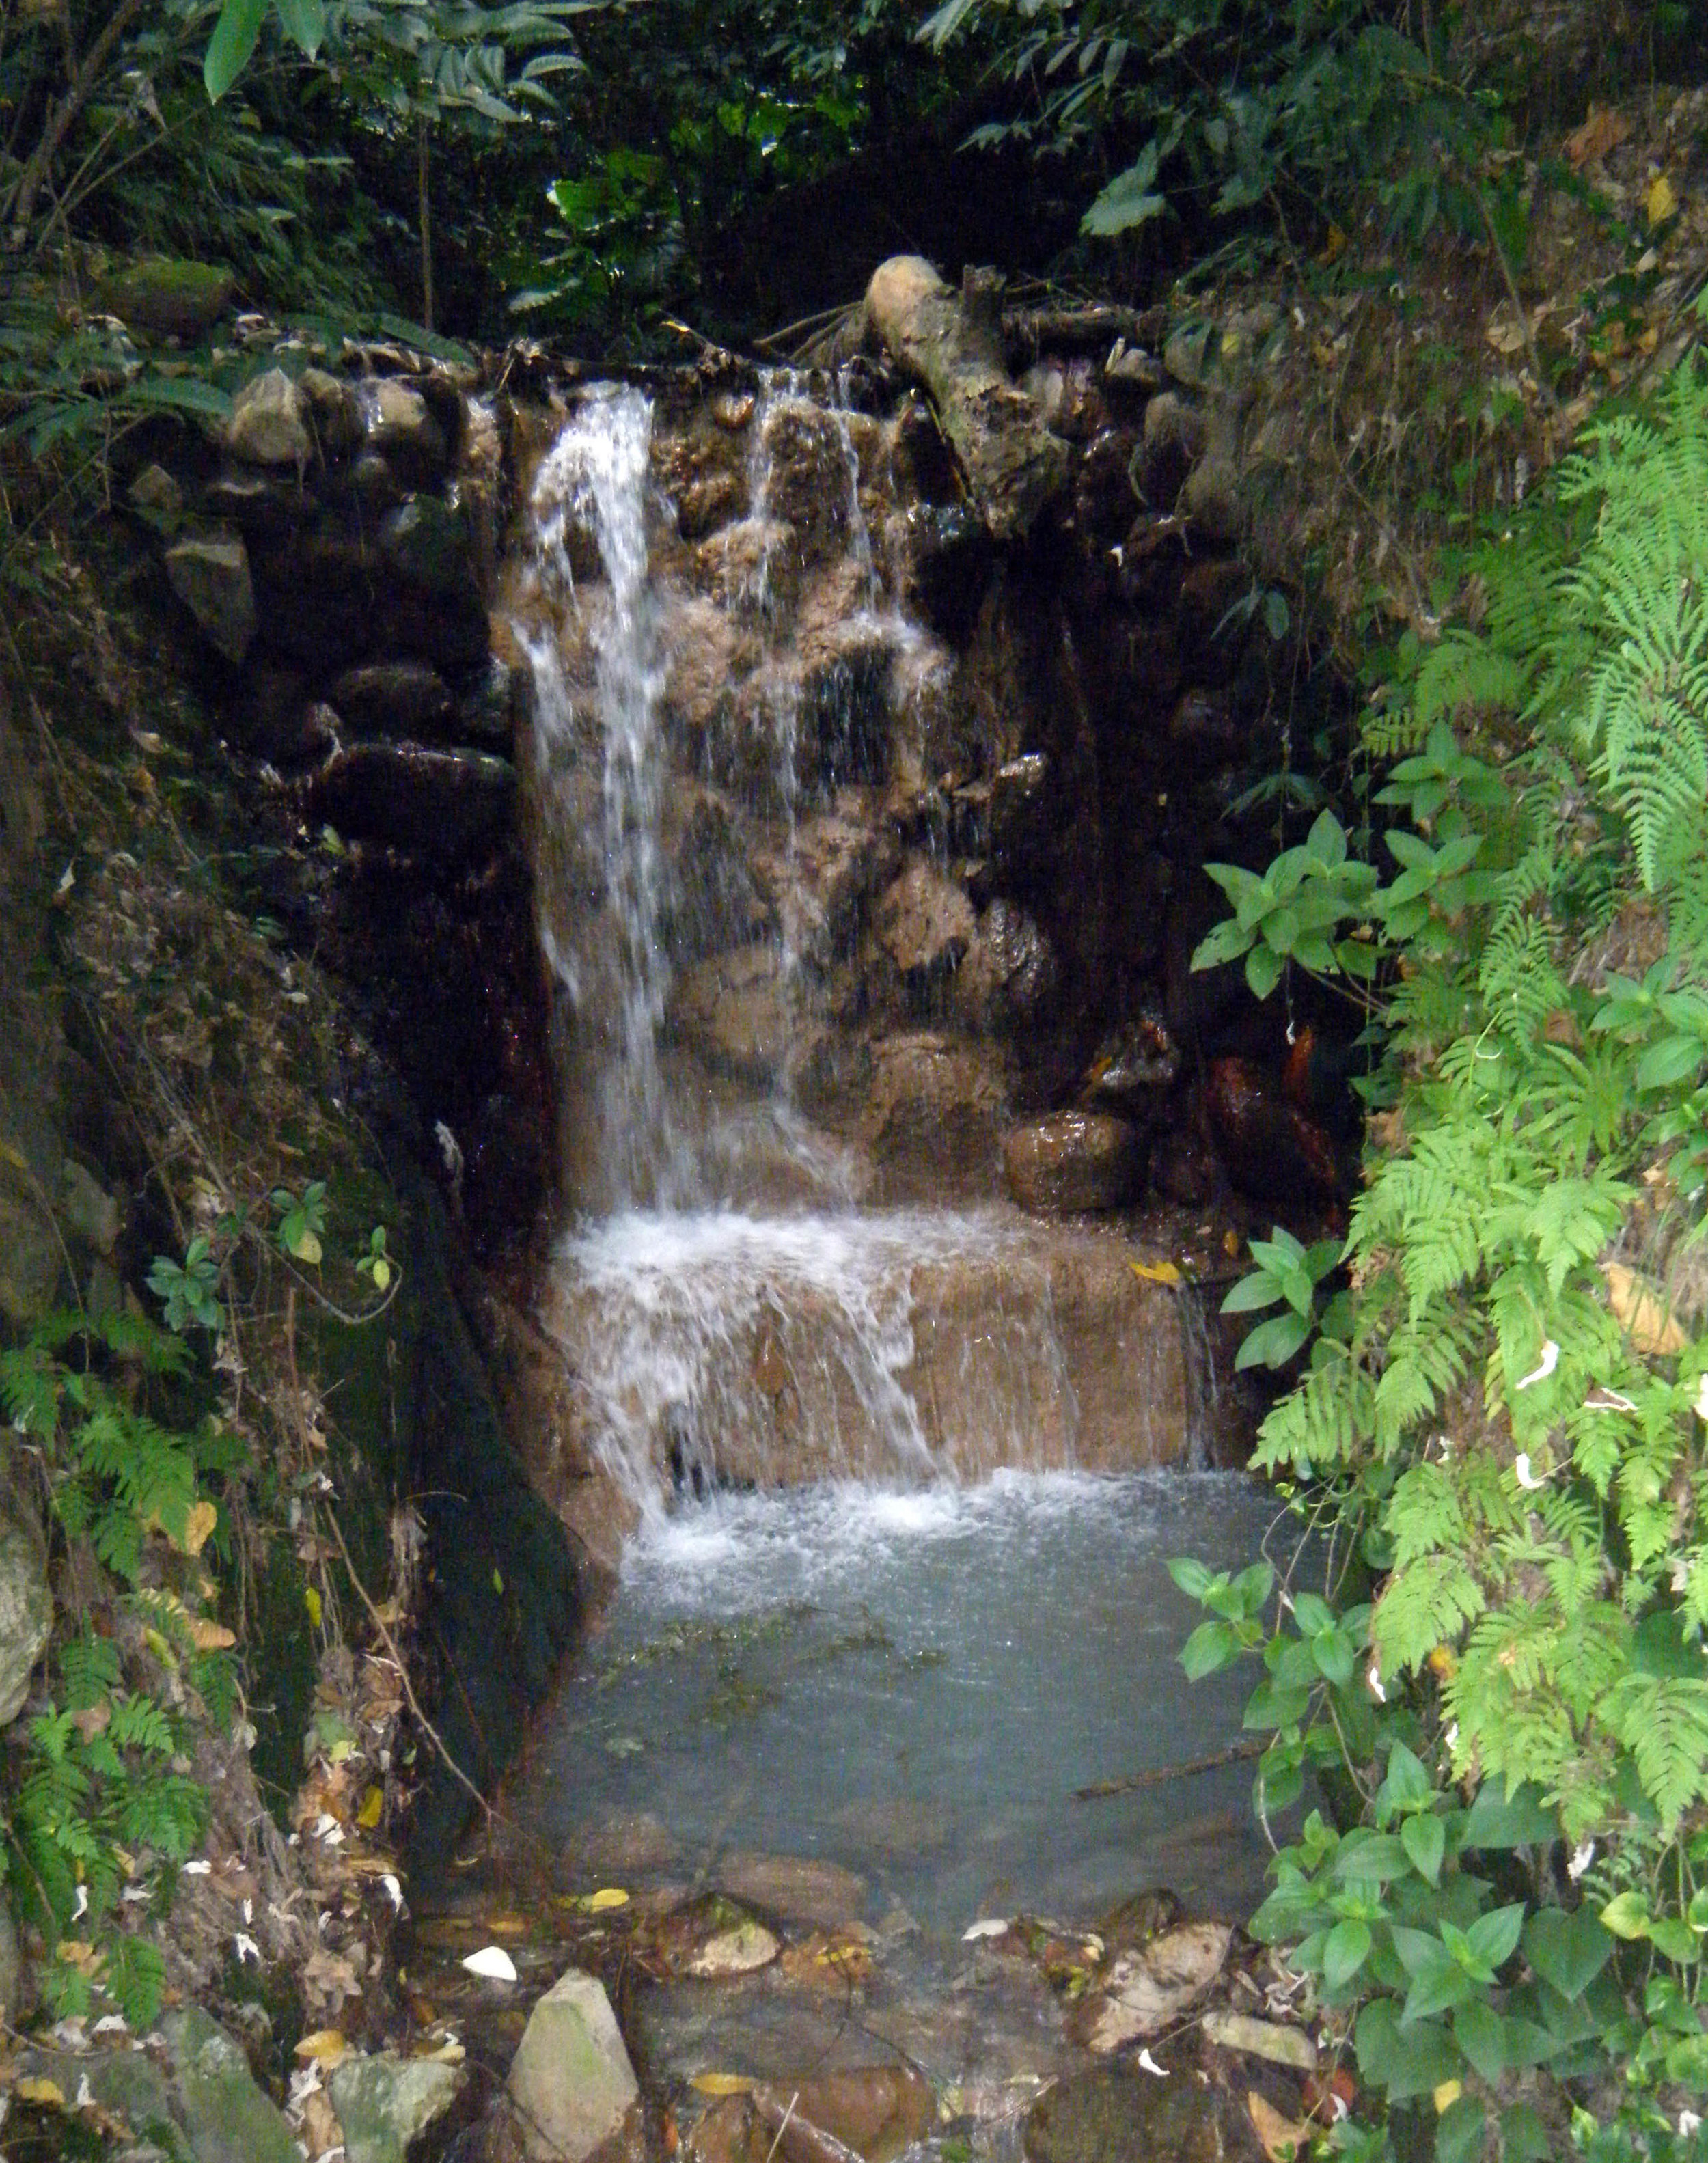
<point x="1641" y="1310"/>
<point x="209" y="1637"/>
<point x="1282" y="2138"/>
<point x="1148" y="1989"/>
<point x="1605" y="130"/>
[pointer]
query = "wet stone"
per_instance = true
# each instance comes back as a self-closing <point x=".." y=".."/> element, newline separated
<point x="797" y="1888"/>
<point x="384" y="2103"/>
<point x="1074" y="1161"/>
<point x="226" y="2116"/>
<point x="267" y="427"/>
<point x="393" y="698"/>
<point x="571" y="2082"/>
<point x="445" y="805"/>
<point x="264" y="506"/>
<point x="210" y="575"/>
<point x="399" y="425"/>
<point x="1097" y="2117"/>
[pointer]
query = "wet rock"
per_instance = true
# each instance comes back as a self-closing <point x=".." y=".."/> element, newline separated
<point x="87" y="1210"/>
<point x="26" y="1614"/>
<point x="1115" y="2112"/>
<point x="398" y="424"/>
<point x="1133" y="368"/>
<point x="707" y="501"/>
<point x="426" y="540"/>
<point x="127" y="2083"/>
<point x="737" y="1012"/>
<point x="372" y="487"/>
<point x="1176" y="435"/>
<point x="323" y="600"/>
<point x="1068" y="397"/>
<point x="1182" y="1168"/>
<point x="210" y="574"/>
<point x="819" y="888"/>
<point x="946" y="554"/>
<point x="273" y="718"/>
<point x="933" y="1115"/>
<point x="168" y="299"/>
<point x="570" y="2082"/>
<point x="506" y="1171"/>
<point x="751" y="563"/>
<point x="384" y="2103"/>
<point x="1134" y="1063"/>
<point x="1074" y="1161"/>
<point x="707" y="654"/>
<point x="933" y="729"/>
<point x="808" y="484"/>
<point x="1214" y="500"/>
<point x="264" y="505"/>
<point x="267" y="427"/>
<point x="446" y="805"/>
<point x="714" y="901"/>
<point x="394" y="699"/>
<point x="925" y="925"/>
<point x="226" y="2116"/>
<point x="156" y="494"/>
<point x="742" y="1950"/>
<point x="1021" y="816"/>
<point x="1273" y="1151"/>
<point x="798" y="1889"/>
<point x="1105" y="497"/>
<point x="1208" y="590"/>
<point x="334" y="412"/>
<point x="487" y="707"/>
<point x="1202" y="722"/>
<point x="1152" y="559"/>
<point x="1009" y="978"/>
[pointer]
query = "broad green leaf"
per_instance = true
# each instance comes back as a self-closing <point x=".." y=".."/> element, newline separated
<point x="233" y="40"/>
<point x="1494" y="1937"/>
<point x="1344" y="1952"/>
<point x="1193" y="1577"/>
<point x="1404" y="2061"/>
<point x="1496" y="1820"/>
<point x="1568" y="1952"/>
<point x="1424" y="1839"/>
<point x="1210" y="1647"/>
<point x="304" y="23"/>
<point x="1460" y="2131"/>
<point x="1481" y="2033"/>
<point x="1627" y="1915"/>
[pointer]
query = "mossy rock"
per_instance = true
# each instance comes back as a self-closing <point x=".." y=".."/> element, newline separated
<point x="165" y="298"/>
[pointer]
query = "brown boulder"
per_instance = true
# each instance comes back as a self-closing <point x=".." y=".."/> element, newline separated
<point x="1074" y="1161"/>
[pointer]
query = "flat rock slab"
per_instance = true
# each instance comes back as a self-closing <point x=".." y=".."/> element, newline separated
<point x="226" y="2116"/>
<point x="797" y="1888"/>
<point x="571" y="2083"/>
<point x="1115" y="2112"/>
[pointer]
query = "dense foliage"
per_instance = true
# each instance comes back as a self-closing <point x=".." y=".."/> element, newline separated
<point x="1499" y="1430"/>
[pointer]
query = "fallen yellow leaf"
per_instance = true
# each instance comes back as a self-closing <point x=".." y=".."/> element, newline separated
<point x="721" y="2084"/>
<point x="1660" y="203"/>
<point x="311" y="1600"/>
<point x="1446" y="2095"/>
<point x="32" y="2090"/>
<point x="608" y="1896"/>
<point x="199" y="1522"/>
<point x="372" y="1803"/>
<point x="1162" y="1273"/>
<point x="326" y="2046"/>
<point x="1282" y="2138"/>
<point x="1640" y="1308"/>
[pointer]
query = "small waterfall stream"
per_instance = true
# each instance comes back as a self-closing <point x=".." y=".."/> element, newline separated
<point x="848" y="1444"/>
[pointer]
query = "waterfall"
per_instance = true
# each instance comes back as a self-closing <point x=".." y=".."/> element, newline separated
<point x="596" y="473"/>
<point x="730" y="1315"/>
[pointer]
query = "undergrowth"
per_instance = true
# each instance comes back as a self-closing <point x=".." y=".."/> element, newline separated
<point x="1500" y="1434"/>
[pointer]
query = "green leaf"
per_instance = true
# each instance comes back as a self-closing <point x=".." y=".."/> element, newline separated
<point x="1344" y="1952"/>
<point x="1424" y="1839"/>
<point x="1210" y="1647"/>
<point x="1494" y="1937"/>
<point x="304" y="23"/>
<point x="1627" y="1915"/>
<point x="1404" y="2061"/>
<point x="1568" y="1952"/>
<point x="1674" y="1059"/>
<point x="1460" y="2131"/>
<point x="1496" y="1820"/>
<point x="1273" y="1343"/>
<point x="1128" y="200"/>
<point x="233" y="40"/>
<point x="1481" y="2033"/>
<point x="1194" y="1578"/>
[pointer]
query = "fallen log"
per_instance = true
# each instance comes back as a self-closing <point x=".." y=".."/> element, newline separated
<point x="952" y="346"/>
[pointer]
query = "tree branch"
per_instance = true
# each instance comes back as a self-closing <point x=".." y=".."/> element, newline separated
<point x="59" y="124"/>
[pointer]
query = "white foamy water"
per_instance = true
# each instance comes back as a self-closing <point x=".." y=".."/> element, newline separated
<point x="720" y="1345"/>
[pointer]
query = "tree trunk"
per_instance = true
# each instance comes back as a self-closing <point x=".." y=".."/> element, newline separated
<point x="1011" y="463"/>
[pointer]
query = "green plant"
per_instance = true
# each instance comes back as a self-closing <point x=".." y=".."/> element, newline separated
<point x="1288" y="1276"/>
<point x="1504" y="1419"/>
<point x="100" y="1810"/>
<point x="189" y="1291"/>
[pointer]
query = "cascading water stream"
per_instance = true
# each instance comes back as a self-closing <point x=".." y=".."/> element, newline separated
<point x="597" y="472"/>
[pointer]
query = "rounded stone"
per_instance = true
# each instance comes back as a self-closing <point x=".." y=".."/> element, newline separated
<point x="1074" y="1161"/>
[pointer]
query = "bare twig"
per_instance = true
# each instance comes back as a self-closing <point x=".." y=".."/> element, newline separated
<point x="1248" y="1746"/>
